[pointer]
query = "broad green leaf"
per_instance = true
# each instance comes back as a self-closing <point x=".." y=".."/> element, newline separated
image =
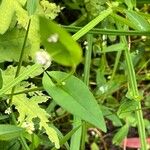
<point x="29" y="109"/>
<point x="32" y="6"/>
<point x="1" y="79"/>
<point x="6" y="13"/>
<point x="75" y="97"/>
<point x="59" y="44"/>
<point x="138" y="21"/>
<point x="8" y="132"/>
<point x="11" y="44"/>
<point x="121" y="134"/>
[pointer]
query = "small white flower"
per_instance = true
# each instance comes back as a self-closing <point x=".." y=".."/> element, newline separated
<point x="103" y="89"/>
<point x="85" y="43"/>
<point x="29" y="126"/>
<point x="109" y="77"/>
<point x="8" y="111"/>
<point x="53" y="38"/>
<point x="43" y="58"/>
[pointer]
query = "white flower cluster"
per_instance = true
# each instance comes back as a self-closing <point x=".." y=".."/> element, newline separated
<point x="43" y="58"/>
<point x="8" y="111"/>
<point x="29" y="126"/>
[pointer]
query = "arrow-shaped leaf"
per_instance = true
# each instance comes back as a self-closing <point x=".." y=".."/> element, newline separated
<point x="75" y="97"/>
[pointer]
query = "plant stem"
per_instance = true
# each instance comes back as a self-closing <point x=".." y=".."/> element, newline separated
<point x="20" y="60"/>
<point x="134" y="89"/>
<point x="116" y="64"/>
<point x="98" y="31"/>
<point x="23" y="141"/>
<point x="87" y="65"/>
<point x="28" y="91"/>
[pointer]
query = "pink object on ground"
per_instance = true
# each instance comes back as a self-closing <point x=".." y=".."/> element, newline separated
<point x="133" y="142"/>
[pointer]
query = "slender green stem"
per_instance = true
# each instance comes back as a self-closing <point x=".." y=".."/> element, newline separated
<point x="116" y="64"/>
<point x="20" y="59"/>
<point x="23" y="141"/>
<point x="87" y="65"/>
<point x="28" y="91"/>
<point x="22" y="50"/>
<point x="96" y="31"/>
<point x="134" y="90"/>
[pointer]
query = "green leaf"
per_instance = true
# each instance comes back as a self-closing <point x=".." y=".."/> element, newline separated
<point x="121" y="134"/>
<point x="92" y="23"/>
<point x="31" y="6"/>
<point x="75" y="97"/>
<point x="1" y="79"/>
<point x="113" y="48"/>
<point x="130" y="3"/>
<point x="127" y="107"/>
<point x="138" y="21"/>
<point x="29" y="109"/>
<point x="6" y="13"/>
<point x="24" y="75"/>
<point x="11" y="44"/>
<point x="64" y="50"/>
<point x="8" y="132"/>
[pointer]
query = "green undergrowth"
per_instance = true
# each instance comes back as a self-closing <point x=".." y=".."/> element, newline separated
<point x="74" y="74"/>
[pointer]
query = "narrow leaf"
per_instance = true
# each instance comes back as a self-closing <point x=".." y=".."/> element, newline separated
<point x="121" y="134"/>
<point x="92" y="24"/>
<point x="138" y="21"/>
<point x="67" y="136"/>
<point x="113" y="48"/>
<point x="59" y="44"/>
<point x="75" y="97"/>
<point x="8" y="132"/>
